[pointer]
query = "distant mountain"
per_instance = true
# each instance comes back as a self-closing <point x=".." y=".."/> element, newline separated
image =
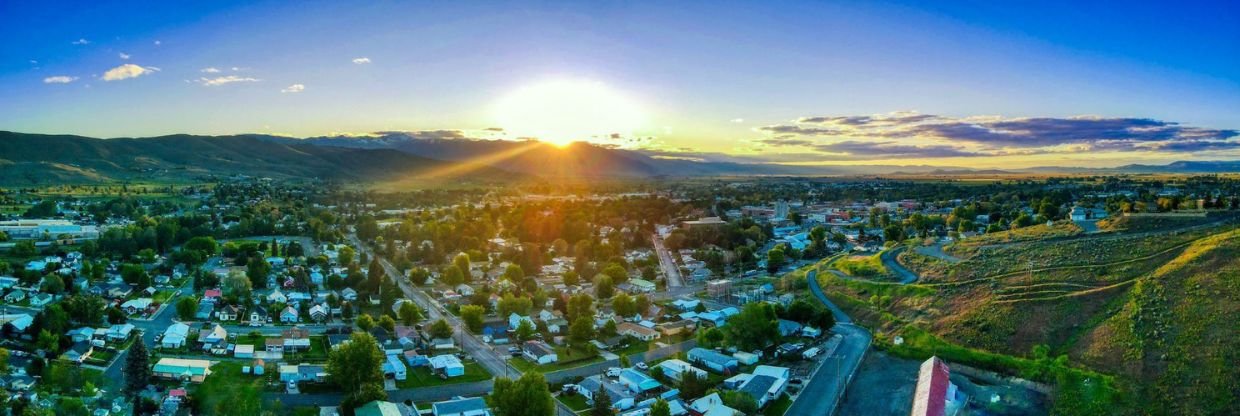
<point x="584" y="159"/>
<point x="1184" y="166"/>
<point x="31" y="159"/>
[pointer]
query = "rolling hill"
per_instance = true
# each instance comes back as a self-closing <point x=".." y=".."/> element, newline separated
<point x="33" y="159"/>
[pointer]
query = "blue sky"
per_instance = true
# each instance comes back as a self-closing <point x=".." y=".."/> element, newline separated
<point x="1079" y="83"/>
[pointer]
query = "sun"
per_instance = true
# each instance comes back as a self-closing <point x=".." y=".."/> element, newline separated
<point x="564" y="111"/>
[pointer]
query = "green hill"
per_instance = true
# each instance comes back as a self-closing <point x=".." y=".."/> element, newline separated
<point x="36" y="159"/>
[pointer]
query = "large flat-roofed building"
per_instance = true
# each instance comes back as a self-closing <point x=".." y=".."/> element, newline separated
<point x="704" y="222"/>
<point x="182" y="369"/>
<point x="35" y="229"/>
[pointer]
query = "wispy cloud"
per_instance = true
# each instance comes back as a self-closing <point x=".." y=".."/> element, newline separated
<point x="123" y="55"/>
<point x="209" y="70"/>
<point x="227" y="79"/>
<point x="737" y="120"/>
<point x="59" y="79"/>
<point x="295" y="88"/>
<point x="362" y="60"/>
<point x="128" y="71"/>
<point x="157" y="43"/>
<point x="81" y="41"/>
<point x="938" y="136"/>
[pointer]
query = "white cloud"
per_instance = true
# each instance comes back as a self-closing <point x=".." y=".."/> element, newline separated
<point x="81" y="41"/>
<point x="127" y="71"/>
<point x="123" y="55"/>
<point x="210" y="70"/>
<point x="34" y="62"/>
<point x="157" y="43"/>
<point x="295" y="88"/>
<point x="362" y="60"/>
<point x="59" y="79"/>
<point x="737" y="120"/>
<point x="229" y="79"/>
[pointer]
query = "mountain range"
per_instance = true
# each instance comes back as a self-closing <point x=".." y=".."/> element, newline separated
<point x="32" y="159"/>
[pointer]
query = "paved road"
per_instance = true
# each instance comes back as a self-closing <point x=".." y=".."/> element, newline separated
<point x="149" y="328"/>
<point x="468" y="342"/>
<point x="665" y="262"/>
<point x="825" y="388"/>
<point x="889" y="260"/>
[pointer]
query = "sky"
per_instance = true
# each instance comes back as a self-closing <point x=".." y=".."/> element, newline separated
<point x="973" y="84"/>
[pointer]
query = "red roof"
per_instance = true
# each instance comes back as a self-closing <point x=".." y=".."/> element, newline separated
<point x="211" y="293"/>
<point x="176" y="392"/>
<point x="930" y="398"/>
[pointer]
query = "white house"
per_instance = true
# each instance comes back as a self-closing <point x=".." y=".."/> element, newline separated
<point x="395" y="367"/>
<point x="289" y="315"/>
<point x="174" y="336"/>
<point x="676" y="369"/>
<point x="539" y="352"/>
<point x="136" y="305"/>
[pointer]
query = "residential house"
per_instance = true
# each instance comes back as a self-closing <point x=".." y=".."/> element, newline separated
<point x="348" y="294"/>
<point x="40" y="300"/>
<point x="620" y="396"/>
<point x="473" y="406"/>
<point x="179" y="369"/>
<point x="539" y="352"/>
<point x="273" y="345"/>
<point x="637" y="381"/>
<point x="378" y="408"/>
<point x="81" y="334"/>
<point x="258" y="316"/>
<point x="677" y="327"/>
<point x="935" y="394"/>
<point x="277" y="297"/>
<point x="319" y="313"/>
<point x="209" y="338"/>
<point x="120" y="332"/>
<point x="14" y="296"/>
<point x="395" y="368"/>
<point x="296" y="339"/>
<point x="448" y="365"/>
<point x="290" y="315"/>
<point x="212" y="295"/>
<point x="136" y="305"/>
<point x="303" y="373"/>
<point x="713" y="360"/>
<point x="515" y="320"/>
<point x="636" y="331"/>
<point x="205" y="310"/>
<point x="79" y="352"/>
<point x="174" y="336"/>
<point x="243" y="351"/>
<point x="763" y="388"/>
<point x="712" y="405"/>
<point x="676" y="369"/>
<point x="229" y="313"/>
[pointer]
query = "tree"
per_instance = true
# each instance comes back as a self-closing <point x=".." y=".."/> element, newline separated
<point x="525" y="330"/>
<point x="581" y="331"/>
<point x="53" y="284"/>
<point x="472" y="315"/>
<point x="356" y="363"/>
<point x="756" y="326"/>
<point x="514" y="273"/>
<point x="692" y="387"/>
<point x="616" y="272"/>
<point x="510" y="304"/>
<point x="571" y="278"/>
<point x="418" y="276"/>
<point x="461" y="261"/>
<point x="603" y="287"/>
<point x="24" y="248"/>
<point x="386" y="322"/>
<point x="345" y="255"/>
<point x="409" y="313"/>
<point x="526" y="396"/>
<point x="602" y="403"/>
<point x="579" y="305"/>
<point x="660" y="408"/>
<point x="239" y="286"/>
<point x="205" y="244"/>
<point x="775" y="259"/>
<point x="441" y="329"/>
<point x="365" y="322"/>
<point x="257" y="270"/>
<point x="368" y="392"/>
<point x="452" y="275"/>
<point x="186" y="308"/>
<point x="641" y="304"/>
<point x="137" y="368"/>
<point x="623" y="305"/>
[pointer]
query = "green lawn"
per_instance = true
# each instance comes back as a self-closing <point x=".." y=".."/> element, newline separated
<point x="577" y="359"/>
<point x="779" y="406"/>
<point x="227" y="391"/>
<point x="576" y="402"/>
<point x="422" y="377"/>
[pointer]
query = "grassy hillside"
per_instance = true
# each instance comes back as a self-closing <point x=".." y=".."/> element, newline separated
<point x="34" y="159"/>
<point x="1144" y="322"/>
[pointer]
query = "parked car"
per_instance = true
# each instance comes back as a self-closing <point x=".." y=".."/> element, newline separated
<point x="613" y="372"/>
<point x="514" y="351"/>
<point x="642" y="366"/>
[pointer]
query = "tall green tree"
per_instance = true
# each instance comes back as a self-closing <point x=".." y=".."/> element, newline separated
<point x="756" y="326"/>
<point x="660" y="408"/>
<point x="602" y="403"/>
<point x="409" y="313"/>
<point x="137" y="368"/>
<point x="356" y="363"/>
<point x="472" y="315"/>
<point x="526" y="396"/>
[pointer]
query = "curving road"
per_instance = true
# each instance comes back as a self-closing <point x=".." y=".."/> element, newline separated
<point x="825" y="388"/>
<point x="888" y="258"/>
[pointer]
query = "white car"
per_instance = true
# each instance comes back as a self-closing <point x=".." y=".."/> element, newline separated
<point x="613" y="372"/>
<point x="642" y="366"/>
